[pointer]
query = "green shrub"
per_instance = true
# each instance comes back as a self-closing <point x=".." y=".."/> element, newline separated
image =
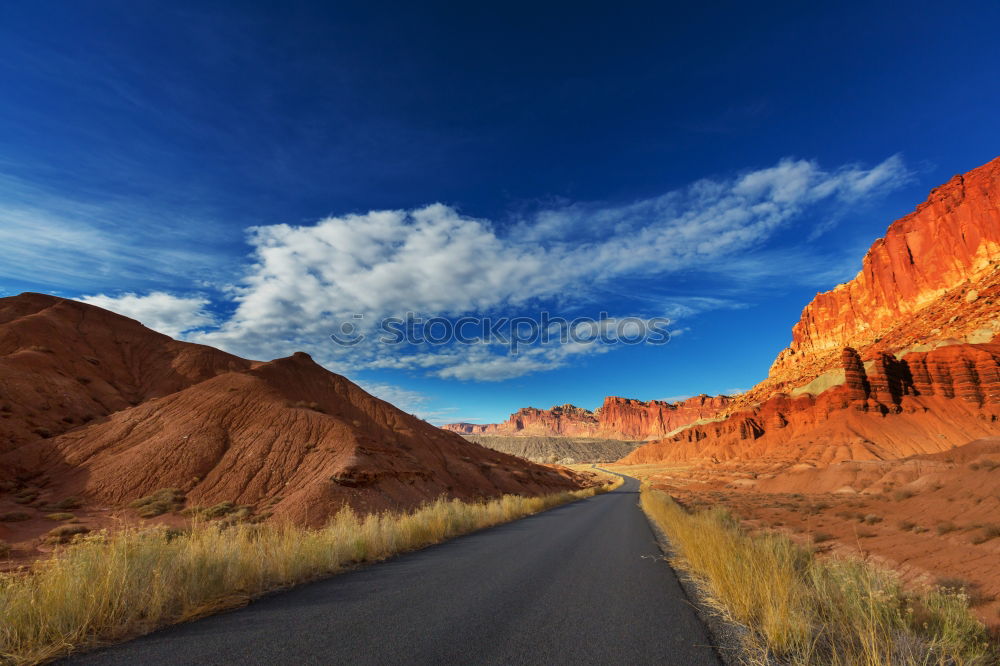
<point x="162" y="501"/>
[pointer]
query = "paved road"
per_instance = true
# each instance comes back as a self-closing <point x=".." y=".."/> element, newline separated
<point x="583" y="583"/>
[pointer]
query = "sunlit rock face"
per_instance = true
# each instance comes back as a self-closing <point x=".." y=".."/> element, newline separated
<point x="898" y="361"/>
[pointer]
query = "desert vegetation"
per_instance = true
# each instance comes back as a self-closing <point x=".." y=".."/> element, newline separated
<point x="108" y="586"/>
<point x="800" y="609"/>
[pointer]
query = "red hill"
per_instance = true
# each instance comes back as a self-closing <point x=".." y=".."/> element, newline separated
<point x="96" y="405"/>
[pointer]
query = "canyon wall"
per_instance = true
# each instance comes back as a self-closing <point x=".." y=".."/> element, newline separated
<point x="888" y="407"/>
<point x="617" y="418"/>
<point x="899" y="360"/>
<point x="933" y="257"/>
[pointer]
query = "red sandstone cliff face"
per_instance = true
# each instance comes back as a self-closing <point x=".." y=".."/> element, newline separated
<point x="565" y="420"/>
<point x="923" y="402"/>
<point x="633" y="419"/>
<point x="617" y="418"/>
<point x="946" y="247"/>
<point x="898" y="361"/>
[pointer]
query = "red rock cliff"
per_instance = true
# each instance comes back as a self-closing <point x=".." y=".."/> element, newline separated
<point x="950" y="242"/>
<point x="900" y="360"/>
<point x="617" y="418"/>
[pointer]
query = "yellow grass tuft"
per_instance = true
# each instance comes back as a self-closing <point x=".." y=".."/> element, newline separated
<point x="107" y="587"/>
<point x="803" y="610"/>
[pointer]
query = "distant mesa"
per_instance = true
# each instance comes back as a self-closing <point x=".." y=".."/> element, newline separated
<point x="618" y="418"/>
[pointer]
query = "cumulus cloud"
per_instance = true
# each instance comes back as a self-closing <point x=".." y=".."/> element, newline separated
<point x="160" y="311"/>
<point x="435" y="260"/>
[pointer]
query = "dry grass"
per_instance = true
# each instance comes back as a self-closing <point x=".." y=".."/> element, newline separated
<point x="804" y="610"/>
<point x="107" y="587"/>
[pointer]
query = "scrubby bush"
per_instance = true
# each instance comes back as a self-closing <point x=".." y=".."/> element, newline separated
<point x="945" y="527"/>
<point x="66" y="533"/>
<point x="162" y="501"/>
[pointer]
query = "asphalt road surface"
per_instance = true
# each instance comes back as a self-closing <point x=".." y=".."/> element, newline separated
<point x="584" y="583"/>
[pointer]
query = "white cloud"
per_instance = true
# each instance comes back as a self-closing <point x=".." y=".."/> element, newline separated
<point x="307" y="279"/>
<point x="160" y="311"/>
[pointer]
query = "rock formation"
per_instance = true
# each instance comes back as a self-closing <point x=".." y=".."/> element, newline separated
<point x="933" y="276"/>
<point x="617" y="418"/>
<point x="896" y="362"/>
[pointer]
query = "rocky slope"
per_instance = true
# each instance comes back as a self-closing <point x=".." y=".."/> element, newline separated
<point x="63" y="364"/>
<point x="618" y="418"/>
<point x="98" y="406"/>
<point x="896" y="362"/>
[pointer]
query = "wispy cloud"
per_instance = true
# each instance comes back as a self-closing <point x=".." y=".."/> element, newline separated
<point x="102" y="243"/>
<point x="305" y="280"/>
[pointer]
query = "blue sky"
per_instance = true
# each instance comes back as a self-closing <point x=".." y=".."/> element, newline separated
<point x="249" y="174"/>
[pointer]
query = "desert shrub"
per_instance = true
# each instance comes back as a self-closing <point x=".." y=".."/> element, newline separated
<point x="5" y="549"/>
<point x="871" y="519"/>
<point x="820" y="537"/>
<point x="973" y="592"/>
<point x="906" y="525"/>
<point x="66" y="533"/>
<point x="219" y="510"/>
<point x="989" y="533"/>
<point x="61" y="516"/>
<point x="162" y="501"/>
<point x="14" y="516"/>
<point x="945" y="527"/>
<point x="26" y="496"/>
<point x="902" y="494"/>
